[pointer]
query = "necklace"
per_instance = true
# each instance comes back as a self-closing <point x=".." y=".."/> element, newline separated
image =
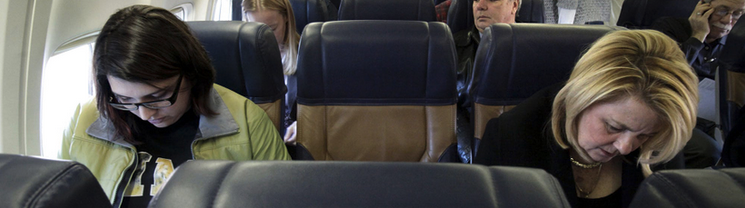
<point x="585" y="166"/>
<point x="586" y="194"/>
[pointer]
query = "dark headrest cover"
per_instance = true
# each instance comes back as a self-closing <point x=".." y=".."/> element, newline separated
<point x="531" y="11"/>
<point x="517" y="60"/>
<point x="35" y="182"/>
<point x="245" y="56"/>
<point x="460" y="15"/>
<point x="307" y="11"/>
<point x="731" y="113"/>
<point x="692" y="188"/>
<point x="423" y="10"/>
<point x="357" y="184"/>
<point x="642" y="14"/>
<point x="374" y="62"/>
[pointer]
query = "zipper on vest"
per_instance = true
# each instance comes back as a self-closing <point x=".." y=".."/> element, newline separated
<point x="122" y="186"/>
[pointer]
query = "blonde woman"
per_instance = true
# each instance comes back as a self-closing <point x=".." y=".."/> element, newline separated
<point x="278" y="15"/>
<point x="630" y="103"/>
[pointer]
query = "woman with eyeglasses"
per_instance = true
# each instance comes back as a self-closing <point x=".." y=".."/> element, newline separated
<point x="157" y="106"/>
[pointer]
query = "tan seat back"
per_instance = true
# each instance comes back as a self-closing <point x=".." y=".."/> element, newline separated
<point x="377" y="91"/>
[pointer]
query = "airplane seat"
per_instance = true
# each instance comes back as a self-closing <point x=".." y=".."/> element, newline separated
<point x="460" y="14"/>
<point x="436" y="2"/>
<point x="31" y="182"/>
<point x="247" y="60"/>
<point x="377" y="90"/>
<point x="197" y="184"/>
<point x="422" y="10"/>
<point x="307" y="11"/>
<point x="731" y="85"/>
<point x="336" y="3"/>
<point x="531" y="11"/>
<point x="692" y="188"/>
<point x="641" y="14"/>
<point x="510" y="71"/>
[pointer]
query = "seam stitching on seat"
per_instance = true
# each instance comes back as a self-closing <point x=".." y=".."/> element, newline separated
<point x="222" y="181"/>
<point x="43" y="188"/>
<point x="493" y="186"/>
<point x="239" y="50"/>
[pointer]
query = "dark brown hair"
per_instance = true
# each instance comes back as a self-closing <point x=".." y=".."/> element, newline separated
<point x="146" y="44"/>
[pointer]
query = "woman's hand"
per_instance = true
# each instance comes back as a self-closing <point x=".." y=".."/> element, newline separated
<point x="290" y="134"/>
<point x="699" y="20"/>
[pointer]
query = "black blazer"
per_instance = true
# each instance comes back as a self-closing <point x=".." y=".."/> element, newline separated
<point x="522" y="137"/>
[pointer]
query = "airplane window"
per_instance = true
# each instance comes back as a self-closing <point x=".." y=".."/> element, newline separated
<point x="66" y="81"/>
<point x="183" y="12"/>
<point x="180" y="13"/>
<point x="223" y="10"/>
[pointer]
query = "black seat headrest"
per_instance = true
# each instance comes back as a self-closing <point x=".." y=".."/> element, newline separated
<point x="27" y="182"/>
<point x="692" y="188"/>
<point x="531" y="11"/>
<point x="422" y="10"/>
<point x="374" y="50"/>
<point x="245" y="56"/>
<point x="356" y="184"/>
<point x="460" y="15"/>
<point x="641" y="14"/>
<point x="307" y="11"/>
<point x="514" y="61"/>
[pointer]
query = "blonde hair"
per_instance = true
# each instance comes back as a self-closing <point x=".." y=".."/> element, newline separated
<point x="643" y="64"/>
<point x="289" y="55"/>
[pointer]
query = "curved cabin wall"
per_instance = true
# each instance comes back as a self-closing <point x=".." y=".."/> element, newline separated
<point x="31" y="31"/>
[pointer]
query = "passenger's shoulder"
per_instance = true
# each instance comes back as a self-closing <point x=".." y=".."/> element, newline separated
<point x="235" y="102"/>
<point x="225" y="92"/>
<point x="230" y="97"/>
<point x="87" y="111"/>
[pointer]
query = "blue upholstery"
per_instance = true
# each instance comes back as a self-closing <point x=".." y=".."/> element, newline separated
<point x="731" y="80"/>
<point x="692" y="188"/>
<point x="732" y="63"/>
<point x="197" y="184"/>
<point x="423" y="10"/>
<point x="336" y="3"/>
<point x="246" y="58"/>
<point x="514" y="61"/>
<point x="29" y="182"/>
<point x="438" y="1"/>
<point x="376" y="63"/>
<point x="641" y="14"/>
<point x="307" y="11"/>
<point x="517" y="60"/>
<point x="531" y="11"/>
<point x="460" y="14"/>
<point x="377" y="66"/>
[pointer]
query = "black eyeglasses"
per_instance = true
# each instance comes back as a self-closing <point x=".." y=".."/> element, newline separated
<point x="158" y="104"/>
